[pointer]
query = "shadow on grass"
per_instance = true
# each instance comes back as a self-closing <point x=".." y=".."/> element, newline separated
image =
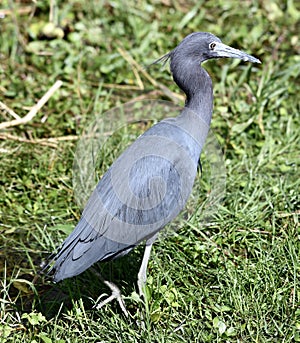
<point x="55" y="299"/>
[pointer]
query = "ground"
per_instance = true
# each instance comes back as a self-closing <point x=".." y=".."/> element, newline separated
<point x="229" y="273"/>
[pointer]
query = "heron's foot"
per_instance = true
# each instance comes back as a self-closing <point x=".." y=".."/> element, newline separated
<point x="116" y="294"/>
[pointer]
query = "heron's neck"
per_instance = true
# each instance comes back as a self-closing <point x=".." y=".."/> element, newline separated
<point x="200" y="95"/>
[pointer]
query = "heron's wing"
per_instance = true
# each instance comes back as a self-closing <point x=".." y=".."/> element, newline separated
<point x="144" y="189"/>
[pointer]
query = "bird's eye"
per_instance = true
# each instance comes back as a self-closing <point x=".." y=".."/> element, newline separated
<point x="212" y="46"/>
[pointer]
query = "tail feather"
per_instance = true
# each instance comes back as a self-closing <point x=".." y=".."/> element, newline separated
<point x="84" y="247"/>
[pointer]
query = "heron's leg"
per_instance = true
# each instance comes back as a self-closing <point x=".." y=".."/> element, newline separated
<point x="115" y="294"/>
<point x="142" y="275"/>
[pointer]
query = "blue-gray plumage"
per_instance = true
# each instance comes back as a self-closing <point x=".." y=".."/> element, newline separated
<point x="149" y="184"/>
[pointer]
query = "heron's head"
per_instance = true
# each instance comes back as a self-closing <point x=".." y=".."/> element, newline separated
<point x="201" y="46"/>
<point x="191" y="52"/>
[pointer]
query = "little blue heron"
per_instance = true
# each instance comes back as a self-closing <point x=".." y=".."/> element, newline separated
<point x="149" y="184"/>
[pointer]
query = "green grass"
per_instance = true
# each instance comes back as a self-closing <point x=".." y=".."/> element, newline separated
<point x="229" y="276"/>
